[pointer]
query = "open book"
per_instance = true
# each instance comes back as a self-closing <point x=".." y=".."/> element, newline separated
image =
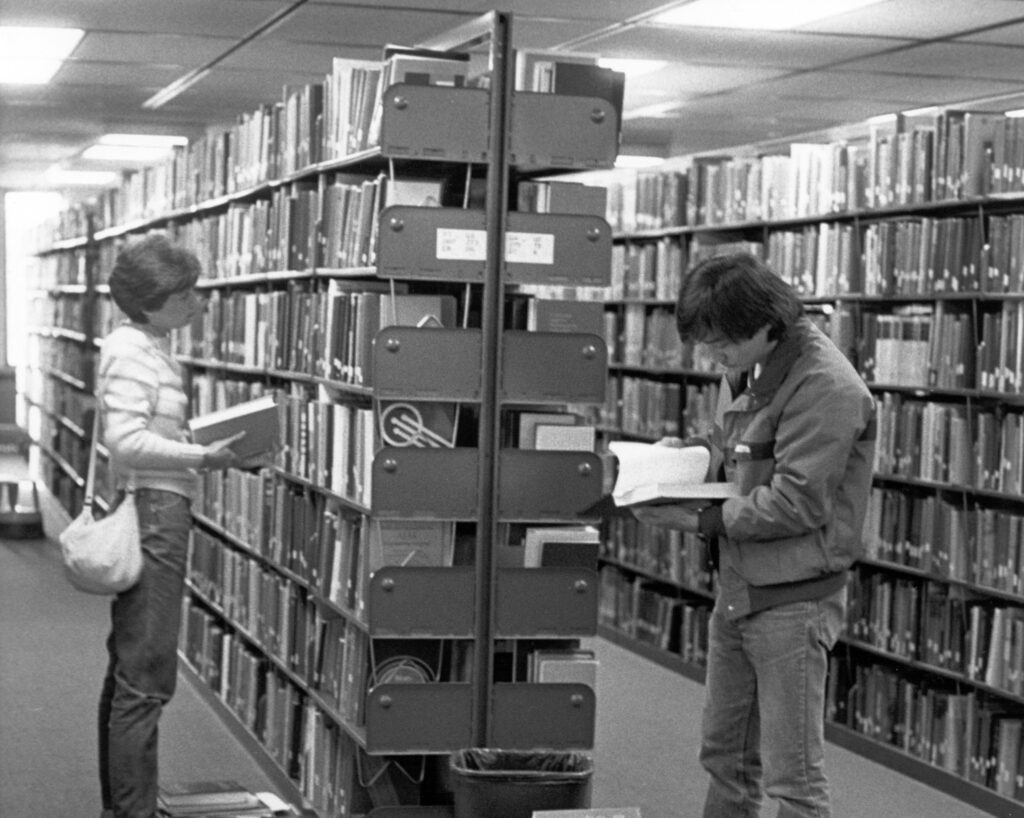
<point x="649" y="473"/>
<point x="258" y="418"/>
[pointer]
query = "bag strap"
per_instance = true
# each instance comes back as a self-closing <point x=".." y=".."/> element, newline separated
<point x="90" y="479"/>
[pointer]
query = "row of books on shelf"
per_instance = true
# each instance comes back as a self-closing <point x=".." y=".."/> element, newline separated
<point x="939" y="625"/>
<point x="642" y="336"/>
<point x="312" y="123"/>
<point x="294" y="528"/>
<point x="945" y="155"/>
<point x="71" y="222"/>
<point x="958" y="731"/>
<point x="332" y="119"/>
<point x="330" y="223"/>
<point x="817" y="260"/>
<point x="237" y="667"/>
<point x="668" y="554"/>
<point x="968" y="446"/>
<point x="275" y="614"/>
<point x="963" y="541"/>
<point x="642" y="610"/>
<point x="898" y="256"/>
<point x="63" y="311"/>
<point x="59" y="269"/>
<point x="58" y="355"/>
<point x="648" y="408"/>
<point x="315" y="751"/>
<point x="938" y="347"/>
<point x="648" y="269"/>
<point x="323" y="332"/>
<point x="240" y="677"/>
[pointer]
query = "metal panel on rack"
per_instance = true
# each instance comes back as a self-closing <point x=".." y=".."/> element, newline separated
<point x="547" y="485"/>
<point x="546" y="602"/>
<point x="561" y="716"/>
<point x="411" y="718"/>
<point x="405" y="363"/>
<point x="430" y="484"/>
<point x="568" y="249"/>
<point x="421" y="602"/>
<point x="434" y="122"/>
<point x="436" y="243"/>
<point x="553" y="367"/>
<point x="559" y="131"/>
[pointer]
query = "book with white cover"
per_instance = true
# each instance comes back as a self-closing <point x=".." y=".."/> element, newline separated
<point x="652" y="473"/>
<point x="258" y="418"/>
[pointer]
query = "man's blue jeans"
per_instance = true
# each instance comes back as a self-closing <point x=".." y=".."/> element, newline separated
<point x="764" y="709"/>
<point x="143" y="664"/>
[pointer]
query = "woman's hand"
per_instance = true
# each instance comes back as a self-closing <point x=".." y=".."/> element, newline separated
<point x="219" y="454"/>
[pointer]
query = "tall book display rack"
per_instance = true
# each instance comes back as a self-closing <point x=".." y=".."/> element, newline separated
<point x="353" y="609"/>
<point x="905" y="242"/>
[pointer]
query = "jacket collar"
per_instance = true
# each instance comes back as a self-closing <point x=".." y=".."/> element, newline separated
<point x="781" y="359"/>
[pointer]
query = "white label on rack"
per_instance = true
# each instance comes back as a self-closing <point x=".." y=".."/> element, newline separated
<point x="530" y="248"/>
<point x="461" y="245"/>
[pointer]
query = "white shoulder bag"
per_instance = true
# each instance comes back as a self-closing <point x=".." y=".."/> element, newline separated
<point x="102" y="556"/>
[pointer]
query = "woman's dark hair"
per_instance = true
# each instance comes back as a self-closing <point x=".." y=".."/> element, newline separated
<point x="734" y="296"/>
<point x="147" y="271"/>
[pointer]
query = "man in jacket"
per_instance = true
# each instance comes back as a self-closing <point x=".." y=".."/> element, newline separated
<point x="794" y="430"/>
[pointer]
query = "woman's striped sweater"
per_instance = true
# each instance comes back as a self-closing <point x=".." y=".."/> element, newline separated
<point x="144" y="406"/>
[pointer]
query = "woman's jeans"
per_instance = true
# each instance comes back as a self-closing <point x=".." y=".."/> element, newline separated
<point x="143" y="663"/>
<point x="764" y="709"/>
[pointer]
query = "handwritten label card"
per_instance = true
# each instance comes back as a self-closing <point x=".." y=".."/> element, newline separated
<point x="461" y="245"/>
<point x="530" y="248"/>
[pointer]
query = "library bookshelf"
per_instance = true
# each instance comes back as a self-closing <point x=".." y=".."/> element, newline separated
<point x="358" y="609"/>
<point x="904" y="241"/>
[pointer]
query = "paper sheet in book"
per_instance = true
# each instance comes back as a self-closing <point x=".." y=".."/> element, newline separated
<point x="649" y="473"/>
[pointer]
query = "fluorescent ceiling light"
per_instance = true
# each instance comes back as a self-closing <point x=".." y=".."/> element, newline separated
<point x="772" y="15"/>
<point x="633" y="161"/>
<point x="123" y="153"/>
<point x="60" y="177"/>
<point x="631" y="68"/>
<point x="130" y="147"/>
<point x="141" y="140"/>
<point x="1016" y="114"/>
<point x="881" y="119"/>
<point x="31" y="56"/>
<point x="659" y="110"/>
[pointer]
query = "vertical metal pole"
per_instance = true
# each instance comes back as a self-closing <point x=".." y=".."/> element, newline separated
<point x="491" y="323"/>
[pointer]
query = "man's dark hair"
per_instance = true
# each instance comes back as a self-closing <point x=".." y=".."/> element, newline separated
<point x="147" y="271"/>
<point x="734" y="296"/>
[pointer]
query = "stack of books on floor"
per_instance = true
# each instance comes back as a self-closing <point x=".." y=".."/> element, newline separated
<point x="217" y="799"/>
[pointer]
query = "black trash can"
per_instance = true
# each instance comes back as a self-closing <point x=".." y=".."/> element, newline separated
<point x="514" y="783"/>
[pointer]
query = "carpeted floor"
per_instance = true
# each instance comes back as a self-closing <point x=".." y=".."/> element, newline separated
<point x="52" y="662"/>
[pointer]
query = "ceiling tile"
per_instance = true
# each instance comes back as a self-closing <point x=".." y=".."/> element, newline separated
<point x="1004" y="35"/>
<point x="231" y="18"/>
<point x="958" y="59"/>
<point x="152" y="49"/>
<point x="921" y="19"/>
<point x="914" y="91"/>
<point x="728" y="47"/>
